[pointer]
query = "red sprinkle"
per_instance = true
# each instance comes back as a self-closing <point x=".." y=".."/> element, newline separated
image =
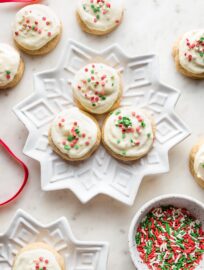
<point x="190" y="58"/>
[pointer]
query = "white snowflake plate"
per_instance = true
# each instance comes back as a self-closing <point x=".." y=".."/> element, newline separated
<point x="78" y="255"/>
<point x="101" y="174"/>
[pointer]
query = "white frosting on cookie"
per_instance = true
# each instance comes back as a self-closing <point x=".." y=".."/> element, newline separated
<point x="101" y="15"/>
<point x="97" y="87"/>
<point x="30" y="260"/>
<point x="199" y="163"/>
<point x="35" y="26"/>
<point x="9" y="63"/>
<point x="129" y="132"/>
<point x="191" y="51"/>
<point x="74" y="133"/>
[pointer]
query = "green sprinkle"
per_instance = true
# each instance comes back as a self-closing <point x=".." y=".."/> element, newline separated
<point x="138" y="238"/>
<point x="123" y="136"/>
<point x="103" y="98"/>
<point x="148" y="247"/>
<point x="143" y="124"/>
<point x="93" y="104"/>
<point x="98" y="16"/>
<point x="168" y="228"/>
<point x="123" y="153"/>
<point x="8" y="72"/>
<point x="118" y="141"/>
<point x="180" y="245"/>
<point x="200" y="250"/>
<point x="118" y="112"/>
<point x="77" y="131"/>
<point x="88" y="80"/>
<point x="76" y="147"/>
<point x="70" y="138"/>
<point x="67" y="147"/>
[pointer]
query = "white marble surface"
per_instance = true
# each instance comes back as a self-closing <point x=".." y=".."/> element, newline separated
<point x="149" y="26"/>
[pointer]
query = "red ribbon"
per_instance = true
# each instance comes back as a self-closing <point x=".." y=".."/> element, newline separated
<point x="24" y="167"/>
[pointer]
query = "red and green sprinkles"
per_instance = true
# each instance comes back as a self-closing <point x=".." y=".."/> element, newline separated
<point x="41" y="263"/>
<point x="197" y="46"/>
<point x="28" y="25"/>
<point x="170" y="238"/>
<point x="73" y="137"/>
<point x="8" y="74"/>
<point x="125" y="124"/>
<point x="94" y="87"/>
<point x="100" y="8"/>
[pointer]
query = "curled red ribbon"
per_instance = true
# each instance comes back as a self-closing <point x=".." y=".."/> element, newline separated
<point x="24" y="167"/>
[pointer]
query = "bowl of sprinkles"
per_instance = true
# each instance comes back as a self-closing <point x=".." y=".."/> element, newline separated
<point x="167" y="233"/>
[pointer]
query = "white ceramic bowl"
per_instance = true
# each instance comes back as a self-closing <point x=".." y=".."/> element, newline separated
<point x="195" y="207"/>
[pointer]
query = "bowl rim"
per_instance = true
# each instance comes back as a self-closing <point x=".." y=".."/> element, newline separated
<point x="142" y="209"/>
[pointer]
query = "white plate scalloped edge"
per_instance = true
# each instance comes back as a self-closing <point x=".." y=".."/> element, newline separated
<point x="24" y="229"/>
<point x="141" y="87"/>
<point x="195" y="207"/>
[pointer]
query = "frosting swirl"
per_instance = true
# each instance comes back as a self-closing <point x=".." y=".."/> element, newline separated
<point x="100" y="15"/>
<point x="35" y="25"/>
<point x="36" y="259"/>
<point x="9" y="63"/>
<point x="191" y="51"/>
<point x="199" y="163"/>
<point x="129" y="132"/>
<point x="74" y="133"/>
<point x="97" y="87"/>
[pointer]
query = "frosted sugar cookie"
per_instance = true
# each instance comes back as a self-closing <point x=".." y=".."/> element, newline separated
<point x="11" y="66"/>
<point x="128" y="133"/>
<point x="38" y="256"/>
<point x="37" y="29"/>
<point x="74" y="135"/>
<point x="99" y="17"/>
<point x="196" y="163"/>
<point x="97" y="88"/>
<point x="188" y="54"/>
